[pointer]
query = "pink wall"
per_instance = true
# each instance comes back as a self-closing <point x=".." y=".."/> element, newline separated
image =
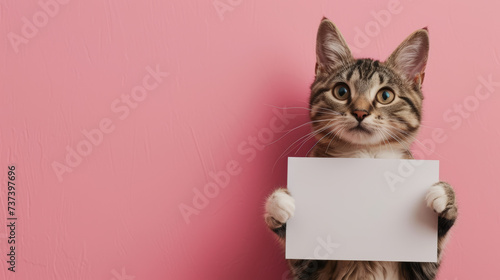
<point x="115" y="212"/>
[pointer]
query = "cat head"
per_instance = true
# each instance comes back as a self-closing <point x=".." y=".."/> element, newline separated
<point x="365" y="101"/>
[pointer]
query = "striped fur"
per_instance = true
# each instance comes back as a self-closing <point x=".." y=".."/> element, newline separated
<point x="359" y="125"/>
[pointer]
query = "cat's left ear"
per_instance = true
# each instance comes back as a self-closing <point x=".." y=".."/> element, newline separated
<point x="410" y="58"/>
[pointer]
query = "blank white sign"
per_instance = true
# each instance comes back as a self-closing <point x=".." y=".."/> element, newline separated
<point x="362" y="209"/>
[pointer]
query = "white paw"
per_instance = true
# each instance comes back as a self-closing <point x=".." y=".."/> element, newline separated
<point x="436" y="198"/>
<point x="280" y="206"/>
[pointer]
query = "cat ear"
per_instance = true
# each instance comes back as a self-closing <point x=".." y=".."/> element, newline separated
<point x="331" y="48"/>
<point x="410" y="58"/>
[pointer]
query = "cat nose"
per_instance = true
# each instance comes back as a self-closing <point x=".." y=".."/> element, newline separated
<point x="360" y="114"/>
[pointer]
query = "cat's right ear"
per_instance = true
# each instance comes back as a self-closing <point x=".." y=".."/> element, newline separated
<point x="410" y="58"/>
<point x="331" y="48"/>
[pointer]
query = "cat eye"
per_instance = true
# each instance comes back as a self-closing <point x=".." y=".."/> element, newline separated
<point x="341" y="91"/>
<point x="385" y="96"/>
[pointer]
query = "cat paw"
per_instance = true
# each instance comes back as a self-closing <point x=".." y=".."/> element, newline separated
<point x="280" y="206"/>
<point x="441" y="199"/>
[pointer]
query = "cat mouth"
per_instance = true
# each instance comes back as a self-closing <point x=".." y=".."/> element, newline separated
<point x="360" y="128"/>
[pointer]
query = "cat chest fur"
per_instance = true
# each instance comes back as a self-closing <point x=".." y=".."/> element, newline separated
<point x="359" y="270"/>
<point x="382" y="153"/>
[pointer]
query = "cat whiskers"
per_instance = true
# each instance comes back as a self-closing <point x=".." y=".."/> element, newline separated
<point x="384" y="138"/>
<point x="305" y="138"/>
<point x="307" y="123"/>
<point x="417" y="141"/>
<point x="309" y="138"/>
<point x="327" y="110"/>
<point x="329" y="143"/>
<point x="412" y="138"/>
<point x="323" y="138"/>
<point x="404" y="144"/>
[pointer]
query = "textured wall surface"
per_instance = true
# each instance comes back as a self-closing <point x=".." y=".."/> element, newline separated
<point x="119" y="116"/>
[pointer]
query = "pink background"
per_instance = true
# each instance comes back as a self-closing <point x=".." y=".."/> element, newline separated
<point x="116" y="214"/>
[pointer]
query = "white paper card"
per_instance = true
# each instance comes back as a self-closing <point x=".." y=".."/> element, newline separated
<point x="362" y="209"/>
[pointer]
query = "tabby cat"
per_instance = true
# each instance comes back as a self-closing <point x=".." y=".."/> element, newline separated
<point x="364" y="108"/>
